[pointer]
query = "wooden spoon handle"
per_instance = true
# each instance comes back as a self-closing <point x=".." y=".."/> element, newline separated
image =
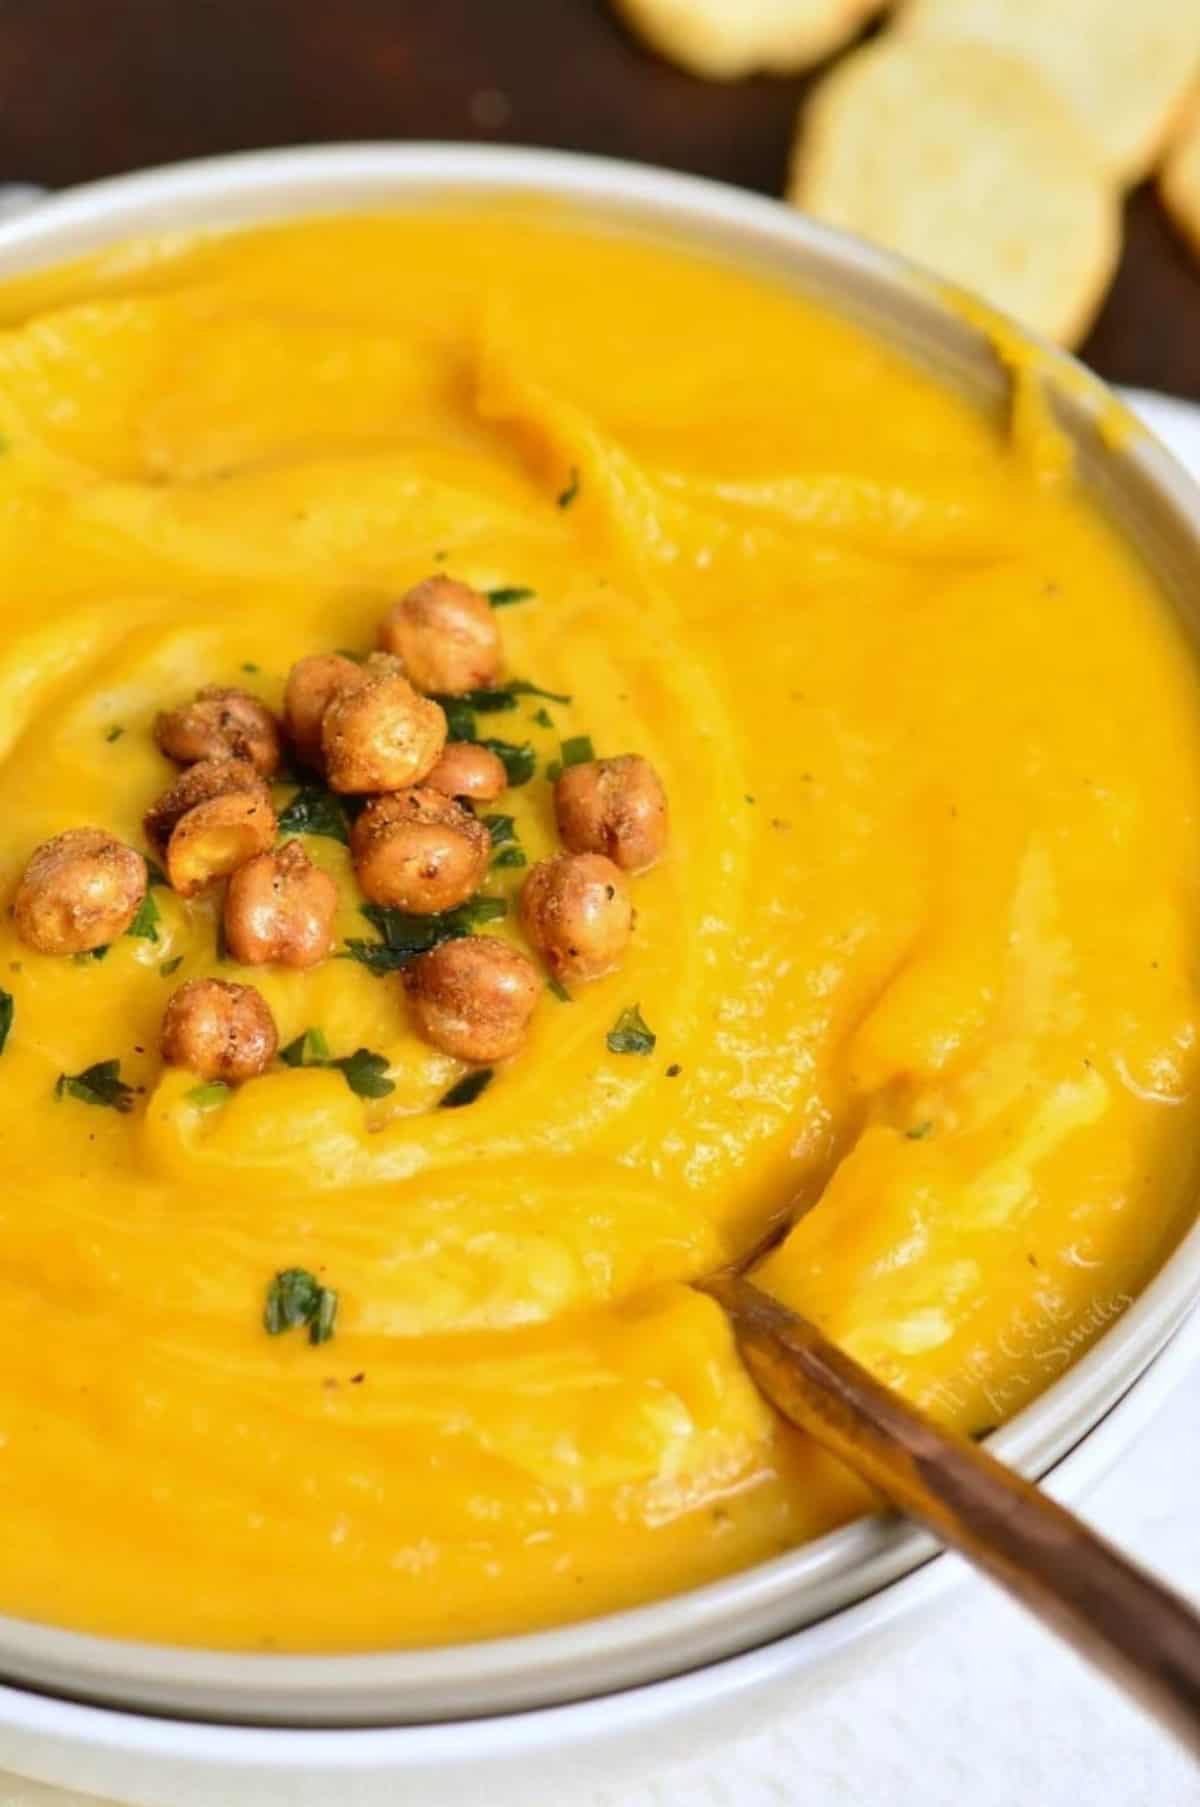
<point x="1143" y="1635"/>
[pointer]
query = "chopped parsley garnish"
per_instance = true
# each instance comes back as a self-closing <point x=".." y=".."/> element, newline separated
<point x="509" y="852"/>
<point x="99" y="1084"/>
<point x="155" y="874"/>
<point x="559" y="989"/>
<point x="6" y="1017"/>
<point x="249" y="665"/>
<point x="460" y="719"/>
<point x="115" y="732"/>
<point x="171" y="966"/>
<point x="494" y="701"/>
<point x="577" y="751"/>
<point x="519" y="763"/>
<point x="144" y="926"/>
<point x="630" y="1034"/>
<point x="404" y="937"/>
<point x="919" y="1131"/>
<point x="296" y="1300"/>
<point x="467" y="1089"/>
<point x="309" y="1049"/>
<point x="542" y="717"/>
<point x="204" y="1097"/>
<point x="364" y="1072"/>
<point x="674" y="1070"/>
<point x="507" y="594"/>
<point x="567" y="496"/>
<point x="93" y="953"/>
<point x="315" y="810"/>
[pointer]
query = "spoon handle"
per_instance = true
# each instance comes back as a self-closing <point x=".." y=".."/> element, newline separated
<point x="1146" y="1637"/>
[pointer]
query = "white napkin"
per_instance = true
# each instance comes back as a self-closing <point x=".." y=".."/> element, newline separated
<point x="981" y="1708"/>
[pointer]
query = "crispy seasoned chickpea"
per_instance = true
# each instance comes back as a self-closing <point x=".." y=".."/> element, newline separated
<point x="217" y="837"/>
<point x="473" y="998"/>
<point x="219" y="1031"/>
<point x="613" y="806"/>
<point x="221" y="724"/>
<point x="446" y="634"/>
<point x="79" y="891"/>
<point x="577" y="912"/>
<point x="417" y="850"/>
<point x="280" y="907"/>
<point x="311" y="687"/>
<point x="199" y="784"/>
<point x="465" y="770"/>
<point x="380" y="735"/>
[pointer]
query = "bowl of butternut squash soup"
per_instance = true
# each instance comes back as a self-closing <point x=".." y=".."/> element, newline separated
<point x="550" y="713"/>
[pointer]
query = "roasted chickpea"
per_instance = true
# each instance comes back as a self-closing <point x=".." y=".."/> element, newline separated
<point x="200" y="784"/>
<point x="221" y="724"/>
<point x="613" y="806"/>
<point x="311" y="687"/>
<point x="280" y="907"/>
<point x="380" y="735"/>
<point x="577" y="912"/>
<point x="465" y="770"/>
<point x="417" y="850"/>
<point x="79" y="891"/>
<point x="219" y="1031"/>
<point x="473" y="998"/>
<point x="446" y="634"/>
<point x="217" y="837"/>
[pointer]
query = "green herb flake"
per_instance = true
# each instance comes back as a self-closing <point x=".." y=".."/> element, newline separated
<point x="155" y="874"/>
<point x="507" y="594"/>
<point x="460" y="719"/>
<point x="365" y="1073"/>
<point x="467" y="1089"/>
<point x="93" y="953"/>
<point x="7" y="1008"/>
<point x="99" y="1084"/>
<point x="630" y="1033"/>
<point x="296" y="1300"/>
<point x="316" y="811"/>
<point x="250" y="666"/>
<point x="171" y="966"/>
<point x="509" y="858"/>
<point x="114" y="733"/>
<point x="519" y="763"/>
<point x="542" y="717"/>
<point x="204" y="1097"/>
<point x="674" y="1070"/>
<point x="558" y="989"/>
<point x="310" y="1049"/>
<point x="919" y="1131"/>
<point x="577" y="751"/>
<point x="144" y="926"/>
<point x="501" y="829"/>
<point x="566" y="496"/>
<point x="405" y="937"/>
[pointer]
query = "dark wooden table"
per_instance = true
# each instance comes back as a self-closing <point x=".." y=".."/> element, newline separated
<point x="92" y="87"/>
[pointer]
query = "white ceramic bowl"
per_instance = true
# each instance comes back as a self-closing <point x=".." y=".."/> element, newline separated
<point x="495" y="1709"/>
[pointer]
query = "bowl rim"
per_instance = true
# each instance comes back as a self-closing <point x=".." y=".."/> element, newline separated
<point x="831" y="1575"/>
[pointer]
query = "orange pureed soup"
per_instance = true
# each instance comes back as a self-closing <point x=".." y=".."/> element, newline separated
<point x="922" y="952"/>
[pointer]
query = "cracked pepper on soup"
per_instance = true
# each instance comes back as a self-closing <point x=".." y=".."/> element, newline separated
<point x="525" y="752"/>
